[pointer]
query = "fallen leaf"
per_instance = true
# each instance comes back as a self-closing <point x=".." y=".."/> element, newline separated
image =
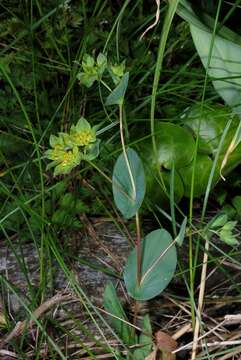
<point x="166" y="344"/>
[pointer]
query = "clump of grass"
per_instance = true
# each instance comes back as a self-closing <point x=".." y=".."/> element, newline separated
<point x="42" y="47"/>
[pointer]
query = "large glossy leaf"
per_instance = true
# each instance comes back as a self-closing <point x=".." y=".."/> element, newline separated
<point x="208" y="122"/>
<point x="159" y="261"/>
<point x="128" y="189"/>
<point x="221" y="56"/>
<point x="202" y="172"/>
<point x="205" y="22"/>
<point x="119" y="319"/>
<point x="175" y="145"/>
<point x="154" y="189"/>
<point x="224" y="66"/>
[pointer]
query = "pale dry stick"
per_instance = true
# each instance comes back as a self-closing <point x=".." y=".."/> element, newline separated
<point x="8" y="353"/>
<point x="200" y="299"/>
<point x="184" y="329"/>
<point x="212" y="344"/>
<point x="232" y="319"/>
<point x="22" y="325"/>
<point x="179" y="304"/>
<point x="232" y="338"/>
<point x="214" y="270"/>
<point x="189" y="345"/>
<point x="155" y="22"/>
<point x="118" y="318"/>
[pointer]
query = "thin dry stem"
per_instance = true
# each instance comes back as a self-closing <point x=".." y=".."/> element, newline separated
<point x="200" y="299"/>
<point x="22" y="325"/>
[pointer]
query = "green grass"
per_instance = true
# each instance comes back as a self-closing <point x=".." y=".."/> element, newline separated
<point x="41" y="49"/>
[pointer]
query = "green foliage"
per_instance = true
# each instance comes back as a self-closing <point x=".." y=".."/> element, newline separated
<point x="128" y="195"/>
<point x="159" y="261"/>
<point x="116" y="97"/>
<point x="117" y="72"/>
<point x="180" y="237"/>
<point x="176" y="144"/>
<point x="119" y="319"/>
<point x="145" y="340"/>
<point x="208" y="122"/>
<point x="92" y="70"/>
<point x="43" y="45"/>
<point x="220" y="54"/>
<point x="236" y="202"/>
<point x="224" y="229"/>
<point x="223" y="65"/>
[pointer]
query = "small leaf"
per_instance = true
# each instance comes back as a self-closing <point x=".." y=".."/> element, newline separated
<point x="145" y="340"/>
<point x="128" y="199"/>
<point x="180" y="237"/>
<point x="229" y="226"/>
<point x="227" y="237"/>
<point x="92" y="151"/>
<point x="117" y="71"/>
<point x="116" y="97"/>
<point x="87" y="79"/>
<point x="159" y="259"/>
<point x="226" y="234"/>
<point x="88" y="62"/>
<point x="113" y="306"/>
<point x="219" y="221"/>
<point x="101" y="64"/>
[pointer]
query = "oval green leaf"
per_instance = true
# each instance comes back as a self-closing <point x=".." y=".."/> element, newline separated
<point x="159" y="259"/>
<point x="202" y="170"/>
<point x="128" y="190"/>
<point x="175" y="145"/>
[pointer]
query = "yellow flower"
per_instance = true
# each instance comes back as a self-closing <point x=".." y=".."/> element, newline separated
<point x="83" y="138"/>
<point x="82" y="134"/>
<point x="63" y="157"/>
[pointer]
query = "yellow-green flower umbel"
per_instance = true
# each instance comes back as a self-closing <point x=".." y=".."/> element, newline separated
<point x="82" y="134"/>
<point x="63" y="157"/>
<point x="69" y="149"/>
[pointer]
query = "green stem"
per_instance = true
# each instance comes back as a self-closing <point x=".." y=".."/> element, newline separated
<point x="124" y="151"/>
<point x="105" y="85"/>
<point x="165" y="31"/>
<point x="138" y="248"/>
<point x="100" y="171"/>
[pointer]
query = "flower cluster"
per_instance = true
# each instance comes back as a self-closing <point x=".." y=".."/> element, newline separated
<point x="93" y="70"/>
<point x="69" y="149"/>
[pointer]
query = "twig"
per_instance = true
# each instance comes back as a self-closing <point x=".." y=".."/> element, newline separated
<point x="22" y="325"/>
<point x="184" y="329"/>
<point x="156" y="20"/>
<point x="200" y="299"/>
